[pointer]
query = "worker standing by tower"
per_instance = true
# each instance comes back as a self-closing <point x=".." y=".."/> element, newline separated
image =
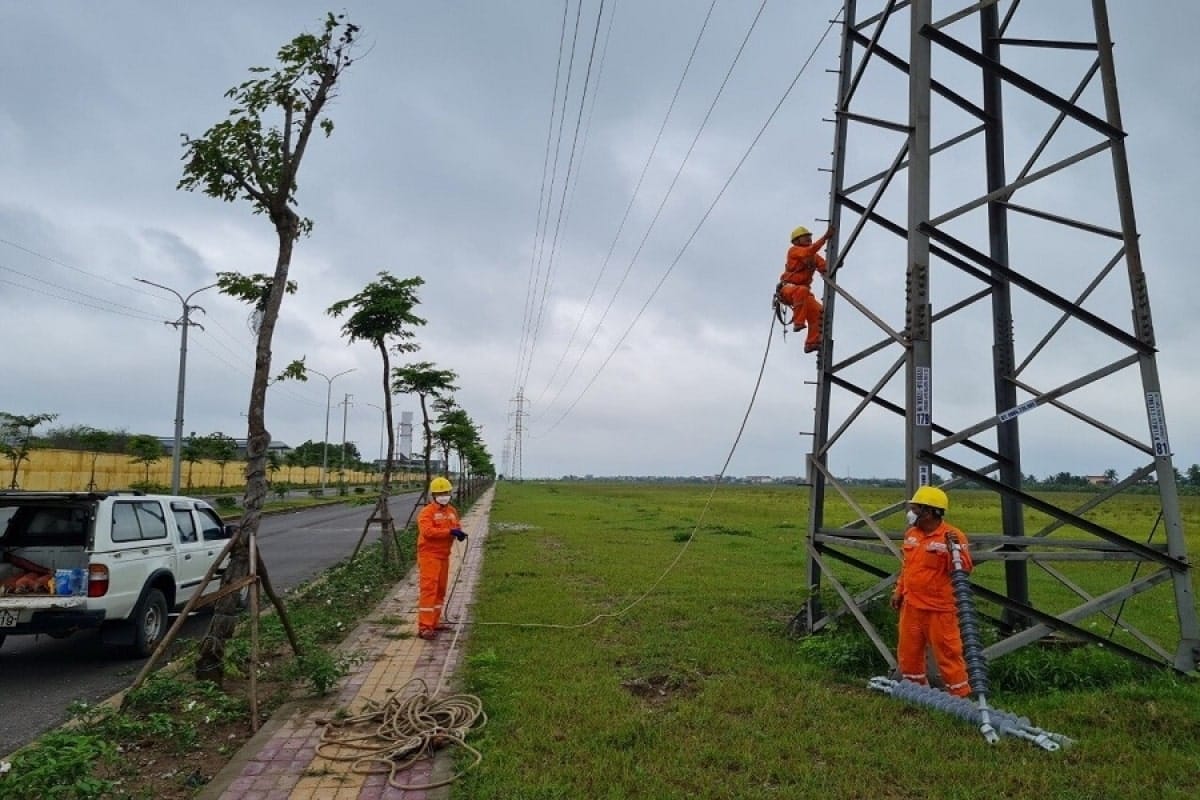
<point x="924" y="594"/>
<point x="795" y="285"/>
<point x="437" y="528"/>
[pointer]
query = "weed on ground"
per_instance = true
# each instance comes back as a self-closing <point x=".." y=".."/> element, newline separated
<point x="175" y="733"/>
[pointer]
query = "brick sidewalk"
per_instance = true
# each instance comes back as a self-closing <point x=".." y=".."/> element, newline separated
<point x="281" y="762"/>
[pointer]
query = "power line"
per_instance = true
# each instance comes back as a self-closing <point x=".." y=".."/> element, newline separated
<point x="544" y="195"/>
<point x="123" y="286"/>
<point x="566" y="182"/>
<point x="136" y="315"/>
<point x="658" y="212"/>
<point x="628" y="208"/>
<point x="699" y="225"/>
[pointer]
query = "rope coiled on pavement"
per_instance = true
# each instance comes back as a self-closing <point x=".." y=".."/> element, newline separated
<point x="393" y="736"/>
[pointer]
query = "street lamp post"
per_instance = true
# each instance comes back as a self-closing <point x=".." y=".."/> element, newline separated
<point x="183" y="325"/>
<point x="328" y="404"/>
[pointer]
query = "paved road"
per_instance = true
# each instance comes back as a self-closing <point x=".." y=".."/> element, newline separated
<point x="40" y="677"/>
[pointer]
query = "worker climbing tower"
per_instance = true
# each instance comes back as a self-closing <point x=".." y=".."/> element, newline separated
<point x="986" y="292"/>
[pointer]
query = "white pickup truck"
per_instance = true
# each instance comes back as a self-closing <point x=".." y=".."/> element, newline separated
<point x="133" y="557"/>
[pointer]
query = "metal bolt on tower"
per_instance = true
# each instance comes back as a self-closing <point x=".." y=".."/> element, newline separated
<point x="985" y="292"/>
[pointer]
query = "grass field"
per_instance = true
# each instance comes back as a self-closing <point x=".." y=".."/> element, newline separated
<point x="697" y="690"/>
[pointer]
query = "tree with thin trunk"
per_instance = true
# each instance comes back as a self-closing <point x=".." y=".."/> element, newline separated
<point x="193" y="454"/>
<point x="146" y="450"/>
<point x="458" y="433"/>
<point x="382" y="314"/>
<point x="442" y="407"/>
<point x="221" y="449"/>
<point x="16" y="438"/>
<point x="96" y="442"/>
<point x="249" y="157"/>
<point x="425" y="381"/>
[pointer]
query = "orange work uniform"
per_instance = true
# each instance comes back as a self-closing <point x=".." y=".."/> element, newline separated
<point x="434" y="524"/>
<point x="796" y="287"/>
<point x="927" y="612"/>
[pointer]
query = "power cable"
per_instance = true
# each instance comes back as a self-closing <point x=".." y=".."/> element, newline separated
<point x="628" y="208"/>
<point x="558" y="224"/>
<point x="121" y="286"/>
<point x="687" y="243"/>
<point x="543" y="204"/>
<point x="575" y="185"/>
<point x="658" y="212"/>
<point x="124" y="287"/>
<point x="136" y="315"/>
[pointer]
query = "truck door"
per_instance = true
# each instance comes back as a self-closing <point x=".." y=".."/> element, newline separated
<point x="195" y="552"/>
<point x="139" y="544"/>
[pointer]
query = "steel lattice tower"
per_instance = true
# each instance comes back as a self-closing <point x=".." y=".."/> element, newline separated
<point x="985" y="290"/>
<point x="514" y="471"/>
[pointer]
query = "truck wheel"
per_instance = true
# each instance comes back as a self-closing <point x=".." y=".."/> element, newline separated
<point x="1" y="640"/>
<point x="149" y="623"/>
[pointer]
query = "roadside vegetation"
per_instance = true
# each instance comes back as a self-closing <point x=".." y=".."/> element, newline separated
<point x="174" y="732"/>
<point x="699" y="691"/>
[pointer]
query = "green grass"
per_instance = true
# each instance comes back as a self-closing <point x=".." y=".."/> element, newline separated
<point x="697" y="691"/>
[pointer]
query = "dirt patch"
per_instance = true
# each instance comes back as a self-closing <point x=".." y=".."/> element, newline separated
<point x="159" y="767"/>
<point x="659" y="689"/>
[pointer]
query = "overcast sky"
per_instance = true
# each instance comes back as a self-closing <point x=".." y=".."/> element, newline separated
<point x="439" y="167"/>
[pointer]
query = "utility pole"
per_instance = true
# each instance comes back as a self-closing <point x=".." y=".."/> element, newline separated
<point x="328" y="401"/>
<point x="182" y="324"/>
<point x="382" y="426"/>
<point x="345" y="408"/>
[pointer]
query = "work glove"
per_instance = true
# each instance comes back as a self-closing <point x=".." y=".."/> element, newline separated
<point x="459" y="534"/>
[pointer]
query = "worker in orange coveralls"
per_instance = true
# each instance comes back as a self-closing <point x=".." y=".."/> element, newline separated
<point x="795" y="284"/>
<point x="437" y="528"/>
<point x="925" y="596"/>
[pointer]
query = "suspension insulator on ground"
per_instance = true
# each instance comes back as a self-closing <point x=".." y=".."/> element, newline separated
<point x="1004" y="722"/>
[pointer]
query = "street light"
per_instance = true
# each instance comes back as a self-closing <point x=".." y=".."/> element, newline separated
<point x="382" y="426"/>
<point x="182" y="324"/>
<point x="328" y="404"/>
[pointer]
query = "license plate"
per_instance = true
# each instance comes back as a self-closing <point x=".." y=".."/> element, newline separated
<point x="8" y="618"/>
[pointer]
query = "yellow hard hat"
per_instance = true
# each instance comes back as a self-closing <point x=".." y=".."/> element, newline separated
<point x="931" y="496"/>
<point x="801" y="231"/>
<point x="439" y="486"/>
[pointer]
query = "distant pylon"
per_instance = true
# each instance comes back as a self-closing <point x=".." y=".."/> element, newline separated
<point x="1013" y="306"/>
<point x="518" y="434"/>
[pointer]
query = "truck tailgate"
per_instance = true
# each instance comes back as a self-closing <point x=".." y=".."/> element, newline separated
<point x="16" y="609"/>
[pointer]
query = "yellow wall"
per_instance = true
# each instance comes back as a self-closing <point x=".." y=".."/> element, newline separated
<point x="71" y="471"/>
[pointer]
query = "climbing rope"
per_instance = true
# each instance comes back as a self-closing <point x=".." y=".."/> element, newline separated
<point x="699" y="521"/>
<point x="414" y="723"/>
<point x="392" y="736"/>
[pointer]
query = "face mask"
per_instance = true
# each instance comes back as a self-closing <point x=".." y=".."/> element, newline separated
<point x="442" y="499"/>
<point x="911" y="518"/>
